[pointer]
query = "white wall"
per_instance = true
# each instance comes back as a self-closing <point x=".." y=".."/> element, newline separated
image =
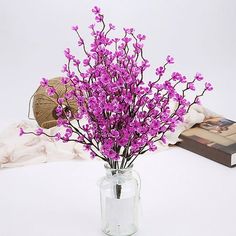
<point x="201" y="35"/>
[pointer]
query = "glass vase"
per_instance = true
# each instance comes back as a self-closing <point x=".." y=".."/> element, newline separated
<point x="120" y="199"/>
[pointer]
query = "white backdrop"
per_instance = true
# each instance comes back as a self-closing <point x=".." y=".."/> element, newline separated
<point x="201" y="35"/>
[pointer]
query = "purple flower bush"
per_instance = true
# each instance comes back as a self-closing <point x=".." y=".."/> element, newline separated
<point x="125" y="117"/>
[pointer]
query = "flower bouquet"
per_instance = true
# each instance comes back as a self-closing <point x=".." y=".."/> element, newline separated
<point x="123" y="115"/>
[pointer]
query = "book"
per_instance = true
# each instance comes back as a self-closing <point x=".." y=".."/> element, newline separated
<point x="214" y="138"/>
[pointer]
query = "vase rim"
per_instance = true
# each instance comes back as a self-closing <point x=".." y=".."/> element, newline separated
<point x="107" y="167"/>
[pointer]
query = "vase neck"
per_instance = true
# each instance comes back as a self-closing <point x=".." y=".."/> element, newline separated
<point x="124" y="171"/>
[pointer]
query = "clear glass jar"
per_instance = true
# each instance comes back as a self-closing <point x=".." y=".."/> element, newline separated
<point x="120" y="197"/>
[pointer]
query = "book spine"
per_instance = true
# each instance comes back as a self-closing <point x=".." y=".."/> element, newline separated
<point x="206" y="151"/>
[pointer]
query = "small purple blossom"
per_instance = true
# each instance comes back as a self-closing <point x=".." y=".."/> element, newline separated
<point x="163" y="139"/>
<point x="152" y="146"/>
<point x="39" y="131"/>
<point x="176" y="76"/>
<point x="51" y="91"/>
<point x="208" y="86"/>
<point x="141" y="37"/>
<point x="64" y="68"/>
<point x="183" y="79"/>
<point x="86" y="61"/>
<point x="65" y="80"/>
<point x="91" y="26"/>
<point x="65" y="138"/>
<point x="115" y="133"/>
<point x="57" y="136"/>
<point x="129" y="30"/>
<point x="68" y="54"/>
<point x="96" y="10"/>
<point x="92" y="154"/>
<point x="80" y="42"/>
<point x="44" y="82"/>
<point x="170" y="59"/>
<point x="76" y="62"/>
<point x="197" y="101"/>
<point x="21" y="132"/>
<point x="105" y="79"/>
<point x="126" y="40"/>
<point x="59" y="111"/>
<point x="112" y="27"/>
<point x="198" y="77"/>
<point x="191" y="86"/>
<point x="160" y="71"/>
<point x="62" y="122"/>
<point x="99" y="18"/>
<point x="75" y="27"/>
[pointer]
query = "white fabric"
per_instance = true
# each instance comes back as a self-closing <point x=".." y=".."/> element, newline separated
<point x="30" y="149"/>
<point x="18" y="150"/>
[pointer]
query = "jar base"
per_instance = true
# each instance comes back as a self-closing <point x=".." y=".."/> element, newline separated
<point x="118" y="232"/>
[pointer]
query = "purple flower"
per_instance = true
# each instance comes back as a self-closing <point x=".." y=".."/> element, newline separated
<point x="160" y="71"/>
<point x="116" y="40"/>
<point x="181" y="112"/>
<point x="126" y="40"/>
<point x="68" y="54"/>
<point x="176" y="76"/>
<point x="208" y="86"/>
<point x="51" y="91"/>
<point x="112" y="27"/>
<point x="163" y="139"/>
<point x="152" y="146"/>
<point x="69" y="131"/>
<point x="99" y="18"/>
<point x="80" y="138"/>
<point x="115" y="133"/>
<point x="92" y="26"/>
<point x="128" y="98"/>
<point x="141" y="37"/>
<point x="69" y="95"/>
<point x="57" y="136"/>
<point x="59" y="111"/>
<point x="64" y="68"/>
<point x="105" y="79"/>
<point x="129" y="31"/>
<point x="197" y="101"/>
<point x="191" y="86"/>
<point x="123" y="141"/>
<point x="39" y="131"/>
<point x="155" y="124"/>
<point x="21" y="132"/>
<point x="111" y="154"/>
<point x="75" y="27"/>
<point x="65" y="80"/>
<point x="183" y="79"/>
<point x="65" y="138"/>
<point x="198" y="77"/>
<point x="108" y="144"/>
<point x="137" y="47"/>
<point x="44" y="82"/>
<point x="78" y="116"/>
<point x="92" y="154"/>
<point x="170" y="59"/>
<point x="86" y="61"/>
<point x="62" y="122"/>
<point x="80" y="42"/>
<point x="96" y="10"/>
